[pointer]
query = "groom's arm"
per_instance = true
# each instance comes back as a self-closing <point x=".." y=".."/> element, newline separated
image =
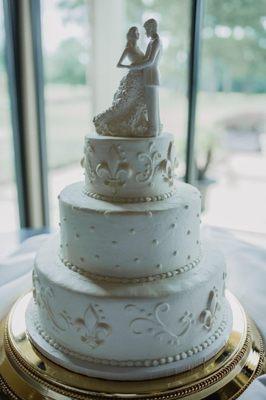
<point x="148" y="61"/>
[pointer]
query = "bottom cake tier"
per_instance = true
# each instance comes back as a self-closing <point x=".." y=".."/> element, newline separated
<point x="128" y="330"/>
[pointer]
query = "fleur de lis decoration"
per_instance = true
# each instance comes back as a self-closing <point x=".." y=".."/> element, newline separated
<point x="90" y="171"/>
<point x="169" y="165"/>
<point x="116" y="172"/>
<point x="208" y="316"/>
<point x="90" y="148"/>
<point x="92" y="327"/>
<point x="186" y="321"/>
<point x="87" y="164"/>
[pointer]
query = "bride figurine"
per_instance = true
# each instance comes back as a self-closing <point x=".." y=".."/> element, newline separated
<point x="128" y="114"/>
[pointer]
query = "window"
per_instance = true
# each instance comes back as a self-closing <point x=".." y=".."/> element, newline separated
<point x="231" y="115"/>
<point x="8" y="198"/>
<point x="67" y="92"/>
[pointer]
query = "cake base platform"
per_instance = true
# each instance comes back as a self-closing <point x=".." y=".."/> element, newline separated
<point x="26" y="374"/>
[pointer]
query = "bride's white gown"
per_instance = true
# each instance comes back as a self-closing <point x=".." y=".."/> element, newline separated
<point x="128" y="114"/>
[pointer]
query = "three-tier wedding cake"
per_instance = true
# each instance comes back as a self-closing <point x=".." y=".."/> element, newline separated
<point x="127" y="290"/>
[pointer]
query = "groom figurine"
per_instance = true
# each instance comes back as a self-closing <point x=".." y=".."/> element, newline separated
<point x="151" y="76"/>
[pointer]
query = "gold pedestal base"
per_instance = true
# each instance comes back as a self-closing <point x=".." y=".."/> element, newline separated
<point x="27" y="374"/>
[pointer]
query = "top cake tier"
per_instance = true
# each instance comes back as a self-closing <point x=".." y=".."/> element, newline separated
<point x="129" y="169"/>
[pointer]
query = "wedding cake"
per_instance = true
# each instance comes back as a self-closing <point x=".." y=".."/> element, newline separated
<point x="127" y="290"/>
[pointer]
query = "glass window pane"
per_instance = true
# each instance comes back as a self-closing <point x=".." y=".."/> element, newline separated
<point x="67" y="92"/>
<point x="231" y="114"/>
<point x="174" y="28"/>
<point x="8" y="198"/>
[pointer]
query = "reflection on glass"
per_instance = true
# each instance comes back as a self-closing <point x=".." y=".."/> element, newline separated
<point x="8" y="198"/>
<point x="67" y="92"/>
<point x="174" y="27"/>
<point x="231" y="115"/>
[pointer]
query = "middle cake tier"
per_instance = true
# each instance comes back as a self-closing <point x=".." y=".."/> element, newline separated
<point x="141" y="240"/>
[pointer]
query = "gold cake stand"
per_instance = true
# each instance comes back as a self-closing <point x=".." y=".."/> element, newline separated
<point x="27" y="374"/>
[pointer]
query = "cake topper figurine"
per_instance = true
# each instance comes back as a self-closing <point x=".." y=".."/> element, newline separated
<point x="135" y="107"/>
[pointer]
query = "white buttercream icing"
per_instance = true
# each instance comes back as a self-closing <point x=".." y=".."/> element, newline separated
<point x="129" y="240"/>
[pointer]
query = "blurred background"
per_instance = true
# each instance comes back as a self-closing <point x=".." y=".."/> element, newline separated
<point x="57" y="69"/>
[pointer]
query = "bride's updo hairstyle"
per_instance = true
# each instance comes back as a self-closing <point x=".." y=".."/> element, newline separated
<point x="132" y="34"/>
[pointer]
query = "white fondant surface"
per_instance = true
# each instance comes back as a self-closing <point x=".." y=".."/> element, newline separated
<point x="130" y="240"/>
<point x="129" y="167"/>
<point x="131" y="325"/>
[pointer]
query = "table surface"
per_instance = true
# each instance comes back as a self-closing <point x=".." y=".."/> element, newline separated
<point x="10" y="240"/>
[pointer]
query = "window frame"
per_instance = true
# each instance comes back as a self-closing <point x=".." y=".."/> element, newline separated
<point x="197" y="9"/>
<point x="32" y="204"/>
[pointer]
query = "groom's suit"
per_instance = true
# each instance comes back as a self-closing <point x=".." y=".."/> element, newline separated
<point x="149" y="66"/>
<point x="151" y="84"/>
<point x="152" y="57"/>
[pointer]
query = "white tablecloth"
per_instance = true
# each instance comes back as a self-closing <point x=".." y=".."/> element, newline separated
<point x="246" y="279"/>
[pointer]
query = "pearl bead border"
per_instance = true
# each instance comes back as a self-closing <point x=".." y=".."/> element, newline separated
<point x="143" y="199"/>
<point x="150" y="278"/>
<point x="135" y="363"/>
